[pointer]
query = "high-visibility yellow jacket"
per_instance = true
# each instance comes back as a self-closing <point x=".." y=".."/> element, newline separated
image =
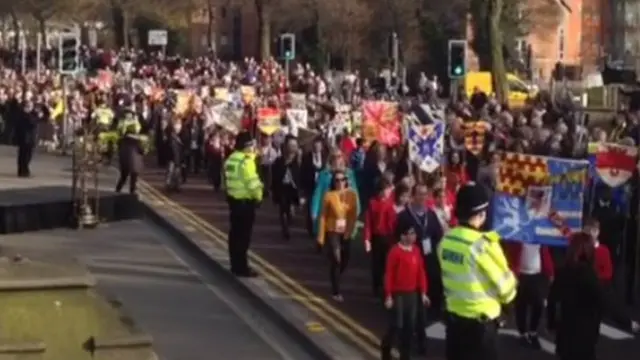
<point x="475" y="273"/>
<point x="128" y="122"/>
<point x="241" y="177"/>
<point x="103" y="116"/>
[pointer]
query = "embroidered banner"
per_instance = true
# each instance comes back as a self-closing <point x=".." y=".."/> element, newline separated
<point x="426" y="145"/>
<point x="474" y="135"/>
<point x="381" y="122"/>
<point x="539" y="199"/>
<point x="269" y="120"/>
<point x="612" y="164"/>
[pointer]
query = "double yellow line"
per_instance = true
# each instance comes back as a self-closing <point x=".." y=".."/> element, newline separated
<point x="327" y="314"/>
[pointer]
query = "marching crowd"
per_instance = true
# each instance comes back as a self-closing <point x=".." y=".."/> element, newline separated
<point x="432" y="253"/>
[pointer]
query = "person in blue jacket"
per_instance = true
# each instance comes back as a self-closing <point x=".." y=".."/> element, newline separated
<point x="323" y="183"/>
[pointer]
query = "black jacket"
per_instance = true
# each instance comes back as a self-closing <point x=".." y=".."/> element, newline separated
<point x="131" y="155"/>
<point x="582" y="301"/>
<point x="426" y="227"/>
<point x="174" y="148"/>
<point x="308" y="172"/>
<point x="279" y="169"/>
<point x="26" y="128"/>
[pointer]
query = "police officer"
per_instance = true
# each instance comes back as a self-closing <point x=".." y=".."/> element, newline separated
<point x="244" y="193"/>
<point x="476" y="278"/>
<point x="131" y="157"/>
<point x="25" y="132"/>
<point x="103" y="117"/>
<point x="128" y="122"/>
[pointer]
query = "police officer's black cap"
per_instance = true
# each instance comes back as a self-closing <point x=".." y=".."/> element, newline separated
<point x="471" y="200"/>
<point x="244" y="140"/>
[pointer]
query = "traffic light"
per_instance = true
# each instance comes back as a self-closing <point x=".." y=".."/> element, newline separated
<point x="457" y="58"/>
<point x="69" y="53"/>
<point x="288" y="46"/>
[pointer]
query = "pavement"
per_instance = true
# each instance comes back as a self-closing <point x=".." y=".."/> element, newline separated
<point x="193" y="310"/>
<point x="295" y="268"/>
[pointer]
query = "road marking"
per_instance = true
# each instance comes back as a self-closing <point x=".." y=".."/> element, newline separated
<point x="547" y="346"/>
<point x="437" y="331"/>
<point x="246" y="318"/>
<point x="190" y="229"/>
<point x="315" y="327"/>
<point x="285" y="284"/>
<point x="613" y="333"/>
<point x="217" y="233"/>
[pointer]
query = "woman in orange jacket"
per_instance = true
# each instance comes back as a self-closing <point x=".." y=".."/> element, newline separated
<point x="336" y="223"/>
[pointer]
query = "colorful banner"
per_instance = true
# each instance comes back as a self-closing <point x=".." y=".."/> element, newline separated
<point x="183" y="102"/>
<point x="612" y="164"/>
<point x="269" y="120"/>
<point x="539" y="199"/>
<point x="298" y="100"/>
<point x="381" y="122"/>
<point x="248" y="94"/>
<point x="474" y="136"/>
<point x="426" y="145"/>
<point x="222" y="94"/>
<point x="297" y="118"/>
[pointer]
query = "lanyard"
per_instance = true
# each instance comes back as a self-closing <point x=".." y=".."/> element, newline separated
<point x="422" y="223"/>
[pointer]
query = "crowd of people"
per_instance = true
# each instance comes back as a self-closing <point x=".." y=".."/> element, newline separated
<point x="415" y="226"/>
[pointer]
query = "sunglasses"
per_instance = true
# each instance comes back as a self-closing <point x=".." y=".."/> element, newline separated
<point x="341" y="179"/>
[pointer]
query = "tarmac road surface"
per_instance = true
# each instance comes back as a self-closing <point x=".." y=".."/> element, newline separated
<point x="361" y="314"/>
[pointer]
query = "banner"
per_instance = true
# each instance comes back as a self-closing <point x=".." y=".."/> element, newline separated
<point x="248" y="94"/>
<point x="474" y="136"/>
<point x="298" y="100"/>
<point x="222" y="94"/>
<point x="426" y="145"/>
<point x="269" y="120"/>
<point x="539" y="199"/>
<point x="223" y="115"/>
<point x="297" y="119"/>
<point x="612" y="164"/>
<point x="183" y="101"/>
<point x="381" y="122"/>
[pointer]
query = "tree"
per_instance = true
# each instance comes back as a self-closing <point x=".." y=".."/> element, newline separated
<point x="498" y="71"/>
<point x="45" y="10"/>
<point x="441" y="22"/>
<point x="344" y="24"/>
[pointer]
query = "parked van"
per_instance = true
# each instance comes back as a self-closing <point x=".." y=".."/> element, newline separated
<point x="519" y="91"/>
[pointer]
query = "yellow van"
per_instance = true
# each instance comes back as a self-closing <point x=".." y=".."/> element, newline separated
<point x="519" y="92"/>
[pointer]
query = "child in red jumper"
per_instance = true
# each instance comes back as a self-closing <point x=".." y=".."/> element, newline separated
<point x="602" y="255"/>
<point x="378" y="231"/>
<point x="405" y="290"/>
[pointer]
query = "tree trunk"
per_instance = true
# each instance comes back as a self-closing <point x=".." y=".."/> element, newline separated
<point x="16" y="29"/>
<point x="498" y="71"/>
<point x="42" y="24"/>
<point x="210" y="20"/>
<point x="264" y="28"/>
<point x="125" y="29"/>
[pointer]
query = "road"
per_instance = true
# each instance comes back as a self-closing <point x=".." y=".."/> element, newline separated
<point x="361" y="318"/>
<point x="190" y="311"/>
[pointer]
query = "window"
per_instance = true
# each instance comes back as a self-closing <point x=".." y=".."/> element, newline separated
<point x="561" y="40"/>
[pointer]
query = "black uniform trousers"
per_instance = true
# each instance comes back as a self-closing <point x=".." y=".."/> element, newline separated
<point x="402" y="319"/>
<point x="25" y="153"/>
<point x="379" y="249"/>
<point x="471" y="339"/>
<point x="133" y="181"/>
<point x="529" y="304"/>
<point x="242" y="214"/>
<point x="339" y="253"/>
<point x="287" y="199"/>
